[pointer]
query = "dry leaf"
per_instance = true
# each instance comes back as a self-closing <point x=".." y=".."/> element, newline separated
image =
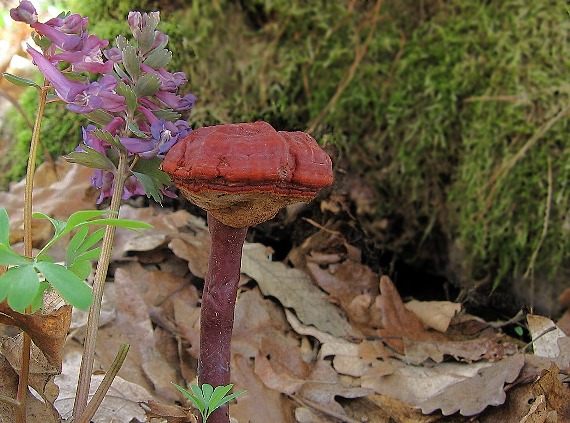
<point x="260" y="333"/>
<point x="121" y="402"/>
<point x="294" y="289"/>
<point x="547" y="344"/>
<point x="133" y="317"/>
<point x="397" y="321"/>
<point x="168" y="413"/>
<point x="557" y="395"/>
<point x="416" y="384"/>
<point x="434" y="314"/>
<point x="473" y="395"/>
<point x="539" y="413"/>
<point x="36" y="410"/>
<point x="48" y="331"/>
<point x="325" y="388"/>
<point x="471" y="350"/>
<point x="259" y="404"/>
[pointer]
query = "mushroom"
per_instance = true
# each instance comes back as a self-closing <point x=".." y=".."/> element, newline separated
<point x="241" y="174"/>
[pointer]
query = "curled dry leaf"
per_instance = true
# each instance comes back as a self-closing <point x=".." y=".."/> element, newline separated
<point x="473" y="395"/>
<point x="398" y="322"/>
<point x="434" y="314"/>
<point x="48" y="331"/>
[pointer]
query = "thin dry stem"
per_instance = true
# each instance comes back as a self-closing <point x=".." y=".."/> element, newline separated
<point x="28" y="194"/>
<point x="105" y="385"/>
<point x="98" y="285"/>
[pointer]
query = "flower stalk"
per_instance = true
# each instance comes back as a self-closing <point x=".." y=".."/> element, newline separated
<point x="28" y="244"/>
<point x="88" y="357"/>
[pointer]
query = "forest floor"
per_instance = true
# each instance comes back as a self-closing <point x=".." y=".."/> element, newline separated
<point x="318" y="335"/>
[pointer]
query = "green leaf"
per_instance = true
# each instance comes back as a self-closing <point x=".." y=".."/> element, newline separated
<point x="90" y="158"/>
<point x="4" y="227"/>
<point x="198" y="402"/>
<point x="91" y="240"/>
<point x="22" y="82"/>
<point x="219" y="393"/>
<point x="151" y="177"/>
<point x="152" y="189"/>
<point x="20" y="286"/>
<point x="81" y="268"/>
<point x="121" y="223"/>
<point x="229" y="398"/>
<point x="99" y="117"/>
<point x="130" y="96"/>
<point x="167" y="114"/>
<point x="136" y="130"/>
<point x="108" y="138"/>
<point x="72" y="289"/>
<point x="57" y="224"/>
<point x="38" y="301"/>
<point x="89" y="255"/>
<point x="74" y="244"/>
<point x="132" y="62"/>
<point x="207" y="391"/>
<point x="81" y="217"/>
<point x="147" y="85"/>
<point x="158" y="58"/>
<point x="9" y="257"/>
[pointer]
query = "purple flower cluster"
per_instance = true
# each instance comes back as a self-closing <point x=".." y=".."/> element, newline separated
<point x="126" y="89"/>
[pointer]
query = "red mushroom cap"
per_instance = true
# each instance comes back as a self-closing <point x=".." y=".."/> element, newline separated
<point x="244" y="173"/>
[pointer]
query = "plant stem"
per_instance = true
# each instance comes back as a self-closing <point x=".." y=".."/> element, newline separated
<point x="105" y="385"/>
<point x="28" y="191"/>
<point x="218" y="304"/>
<point x="88" y="357"/>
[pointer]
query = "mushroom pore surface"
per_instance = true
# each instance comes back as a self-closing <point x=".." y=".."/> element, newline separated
<point x="244" y="173"/>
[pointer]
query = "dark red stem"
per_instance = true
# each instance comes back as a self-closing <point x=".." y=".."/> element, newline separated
<point x="218" y="304"/>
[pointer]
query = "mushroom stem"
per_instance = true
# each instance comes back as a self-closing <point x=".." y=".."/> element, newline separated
<point x="218" y="304"/>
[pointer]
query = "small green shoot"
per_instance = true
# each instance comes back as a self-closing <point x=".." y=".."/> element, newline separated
<point x="207" y="399"/>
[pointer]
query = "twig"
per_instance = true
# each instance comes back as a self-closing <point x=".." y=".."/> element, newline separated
<point x="530" y="268"/>
<point x="544" y="332"/>
<point x="312" y="222"/>
<point x="105" y="385"/>
<point x="307" y="403"/>
<point x="347" y="77"/>
<point x="517" y="318"/>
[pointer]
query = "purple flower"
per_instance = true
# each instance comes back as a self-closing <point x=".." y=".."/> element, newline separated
<point x="168" y="81"/>
<point x="132" y="187"/>
<point x="81" y="98"/>
<point x="60" y="39"/>
<point x="72" y="24"/>
<point x="25" y="12"/>
<point x="66" y="90"/>
<point x="138" y="21"/>
<point x="176" y="102"/>
<point x="114" y="54"/>
<point x="98" y="95"/>
<point x="88" y="56"/>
